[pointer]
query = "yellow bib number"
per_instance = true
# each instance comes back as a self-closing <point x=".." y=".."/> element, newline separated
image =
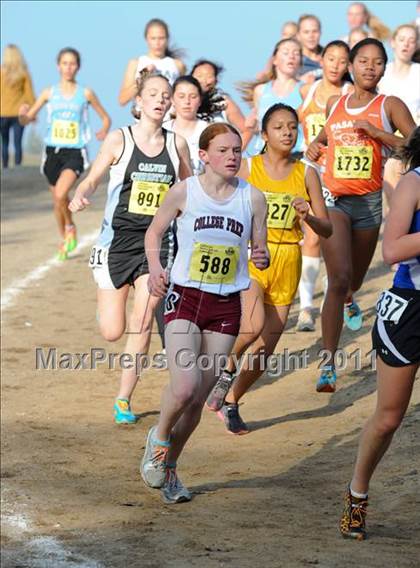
<point x="65" y="132"/>
<point x="281" y="213"/>
<point x="146" y="197"/>
<point x="315" y="123"/>
<point x="214" y="264"/>
<point x="353" y="162"/>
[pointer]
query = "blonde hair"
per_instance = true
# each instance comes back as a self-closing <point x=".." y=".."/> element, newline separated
<point x="144" y="76"/>
<point x="14" y="65"/>
<point x="246" y="88"/>
<point x="404" y="26"/>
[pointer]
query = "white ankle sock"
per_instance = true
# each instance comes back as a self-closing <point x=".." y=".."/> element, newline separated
<point x="310" y="271"/>
<point x="358" y="495"/>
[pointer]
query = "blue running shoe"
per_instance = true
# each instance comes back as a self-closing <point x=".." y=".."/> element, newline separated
<point x="123" y="413"/>
<point x="327" y="380"/>
<point x="353" y="317"/>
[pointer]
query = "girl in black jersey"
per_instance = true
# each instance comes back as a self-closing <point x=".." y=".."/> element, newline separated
<point x="144" y="160"/>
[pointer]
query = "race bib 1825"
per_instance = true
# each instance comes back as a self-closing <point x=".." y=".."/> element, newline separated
<point x="65" y="132"/>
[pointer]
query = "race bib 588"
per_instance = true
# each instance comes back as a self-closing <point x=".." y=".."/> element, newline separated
<point x="214" y="264"/>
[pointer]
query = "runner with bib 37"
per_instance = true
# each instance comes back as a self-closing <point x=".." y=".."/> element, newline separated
<point x="358" y="131"/>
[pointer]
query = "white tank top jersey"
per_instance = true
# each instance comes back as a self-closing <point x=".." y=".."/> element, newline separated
<point x="407" y="89"/>
<point x="192" y="141"/>
<point x="166" y="66"/>
<point x="213" y="240"/>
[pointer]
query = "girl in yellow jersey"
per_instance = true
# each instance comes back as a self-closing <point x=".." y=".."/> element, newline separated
<point x="290" y="188"/>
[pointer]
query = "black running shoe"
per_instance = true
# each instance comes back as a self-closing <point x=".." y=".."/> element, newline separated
<point x="229" y="413"/>
<point x="216" y="398"/>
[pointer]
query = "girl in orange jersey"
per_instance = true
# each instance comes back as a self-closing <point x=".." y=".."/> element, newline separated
<point x="335" y="61"/>
<point x="359" y="128"/>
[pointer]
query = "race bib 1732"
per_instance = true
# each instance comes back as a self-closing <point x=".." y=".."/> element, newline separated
<point x="353" y="162"/>
<point x="214" y="264"/>
<point x="146" y="197"/>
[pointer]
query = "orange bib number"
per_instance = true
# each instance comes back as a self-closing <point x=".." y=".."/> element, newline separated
<point x="315" y="123"/>
<point x="353" y="162"/>
<point x="214" y="264"/>
<point x="146" y="197"/>
<point x="65" y="132"/>
<point x="281" y="214"/>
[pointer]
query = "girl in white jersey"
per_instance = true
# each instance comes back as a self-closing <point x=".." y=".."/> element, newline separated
<point x="396" y="339"/>
<point x="217" y="214"/>
<point x="65" y="155"/>
<point x="144" y="160"/>
<point x="186" y="100"/>
<point x="401" y="79"/>
<point x="160" y="58"/>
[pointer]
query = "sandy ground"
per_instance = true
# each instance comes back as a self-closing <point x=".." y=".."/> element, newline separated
<point x="72" y="494"/>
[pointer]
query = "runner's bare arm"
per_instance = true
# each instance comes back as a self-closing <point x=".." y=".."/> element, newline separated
<point x="128" y="88"/>
<point x="398" y="245"/>
<point x="319" y="221"/>
<point x="180" y="66"/>
<point x="244" y="169"/>
<point x="172" y="205"/>
<point x="184" y="157"/>
<point x="399" y="117"/>
<point x="28" y="114"/>
<point x="260" y="255"/>
<point x="109" y="153"/>
<point x="103" y="115"/>
<point x="237" y="119"/>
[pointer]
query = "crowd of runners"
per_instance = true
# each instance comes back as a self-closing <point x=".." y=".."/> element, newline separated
<point x="217" y="219"/>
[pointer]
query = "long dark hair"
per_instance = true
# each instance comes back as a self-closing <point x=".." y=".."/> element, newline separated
<point x="410" y="152"/>
<point x="269" y="113"/>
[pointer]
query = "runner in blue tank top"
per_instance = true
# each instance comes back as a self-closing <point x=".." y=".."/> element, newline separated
<point x="279" y="86"/>
<point x="396" y="338"/>
<point x="65" y="156"/>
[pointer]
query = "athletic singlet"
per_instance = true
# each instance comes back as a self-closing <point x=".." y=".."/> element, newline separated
<point x="407" y="88"/>
<point x="166" y="66"/>
<point x="67" y="119"/>
<point x="269" y="98"/>
<point x="354" y="160"/>
<point x="192" y="141"/>
<point x="137" y="186"/>
<point x="408" y="273"/>
<point x="312" y="112"/>
<point x="213" y="240"/>
<point x="283" y="225"/>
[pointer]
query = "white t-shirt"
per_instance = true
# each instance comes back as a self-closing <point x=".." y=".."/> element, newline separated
<point x="407" y="89"/>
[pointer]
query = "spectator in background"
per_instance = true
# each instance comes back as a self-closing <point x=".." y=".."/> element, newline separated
<point x="359" y="16"/>
<point x="309" y="34"/>
<point x="16" y="90"/>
